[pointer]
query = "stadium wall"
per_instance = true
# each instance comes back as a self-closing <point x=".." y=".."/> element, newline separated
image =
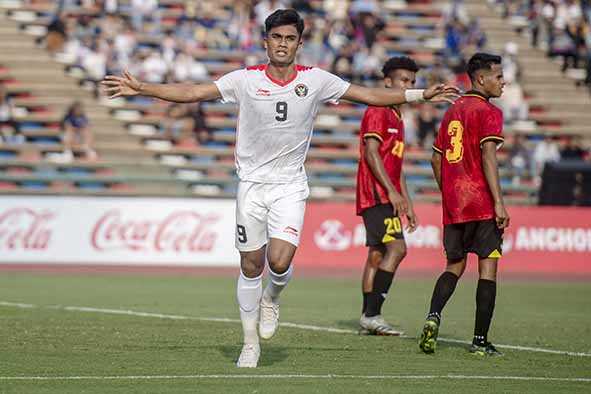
<point x="200" y="232"/>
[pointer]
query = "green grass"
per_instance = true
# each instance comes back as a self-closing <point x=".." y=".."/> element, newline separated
<point x="47" y="341"/>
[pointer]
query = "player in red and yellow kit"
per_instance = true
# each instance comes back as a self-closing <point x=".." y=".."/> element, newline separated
<point x="474" y="215"/>
<point x="382" y="197"/>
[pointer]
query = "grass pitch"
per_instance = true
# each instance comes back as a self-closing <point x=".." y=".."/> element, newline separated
<point x="48" y="347"/>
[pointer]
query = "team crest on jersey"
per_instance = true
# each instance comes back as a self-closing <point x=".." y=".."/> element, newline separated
<point x="301" y="90"/>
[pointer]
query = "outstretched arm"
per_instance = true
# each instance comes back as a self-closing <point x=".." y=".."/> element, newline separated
<point x="383" y="97"/>
<point x="128" y="85"/>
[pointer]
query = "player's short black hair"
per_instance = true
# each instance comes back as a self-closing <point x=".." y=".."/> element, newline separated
<point x="284" y="17"/>
<point x="399" y="63"/>
<point x="481" y="61"/>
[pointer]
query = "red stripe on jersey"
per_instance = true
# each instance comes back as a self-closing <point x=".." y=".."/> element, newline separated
<point x="265" y="68"/>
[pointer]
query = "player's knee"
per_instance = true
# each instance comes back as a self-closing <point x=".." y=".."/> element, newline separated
<point x="396" y="253"/>
<point x="251" y="268"/>
<point x="279" y="265"/>
<point x="375" y="257"/>
<point x="279" y="260"/>
<point x="456" y="266"/>
<point x="487" y="269"/>
<point x="400" y="253"/>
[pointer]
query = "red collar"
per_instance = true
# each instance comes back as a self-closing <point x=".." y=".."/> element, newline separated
<point x="264" y="67"/>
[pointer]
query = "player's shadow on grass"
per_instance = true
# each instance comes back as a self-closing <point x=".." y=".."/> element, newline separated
<point x="270" y="354"/>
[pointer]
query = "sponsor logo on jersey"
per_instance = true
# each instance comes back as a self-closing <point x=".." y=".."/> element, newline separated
<point x="263" y="92"/>
<point x="393" y="131"/>
<point x="290" y="230"/>
<point x="301" y="90"/>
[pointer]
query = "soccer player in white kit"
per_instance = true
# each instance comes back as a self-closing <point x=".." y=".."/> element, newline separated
<point x="278" y="103"/>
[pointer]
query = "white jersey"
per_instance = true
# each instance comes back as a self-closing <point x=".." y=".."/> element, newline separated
<point x="276" y="119"/>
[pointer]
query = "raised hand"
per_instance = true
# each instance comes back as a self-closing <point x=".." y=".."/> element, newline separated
<point x="441" y="93"/>
<point x="127" y="85"/>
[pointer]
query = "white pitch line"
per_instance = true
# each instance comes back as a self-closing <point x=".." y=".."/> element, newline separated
<point x="303" y="377"/>
<point x="18" y="304"/>
<point x="283" y="324"/>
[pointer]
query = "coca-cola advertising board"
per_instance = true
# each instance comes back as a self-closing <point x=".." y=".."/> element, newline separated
<point x="200" y="232"/>
<point x="140" y="231"/>
<point x="540" y="240"/>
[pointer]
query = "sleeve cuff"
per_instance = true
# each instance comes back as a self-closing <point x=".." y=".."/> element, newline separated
<point x="436" y="149"/>
<point x="373" y="135"/>
<point x="499" y="140"/>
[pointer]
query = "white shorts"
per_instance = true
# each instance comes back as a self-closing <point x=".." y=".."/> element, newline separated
<point x="269" y="210"/>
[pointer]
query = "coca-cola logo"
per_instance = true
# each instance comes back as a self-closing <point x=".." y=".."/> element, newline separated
<point x="25" y="229"/>
<point x="332" y="235"/>
<point x="180" y="231"/>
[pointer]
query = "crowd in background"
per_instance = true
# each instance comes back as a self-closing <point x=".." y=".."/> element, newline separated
<point x="344" y="36"/>
<point x="560" y="27"/>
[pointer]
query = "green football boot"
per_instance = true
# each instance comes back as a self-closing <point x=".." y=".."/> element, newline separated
<point x="428" y="340"/>
<point x="484" y="349"/>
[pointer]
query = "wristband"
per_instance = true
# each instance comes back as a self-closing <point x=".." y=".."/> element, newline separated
<point x="414" y="95"/>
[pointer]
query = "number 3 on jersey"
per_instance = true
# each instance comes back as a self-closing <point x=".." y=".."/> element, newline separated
<point x="455" y="130"/>
<point x="281" y="108"/>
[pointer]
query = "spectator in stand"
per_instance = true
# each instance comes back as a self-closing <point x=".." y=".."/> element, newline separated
<point x="175" y="123"/>
<point x="94" y="63"/>
<point x="512" y="102"/>
<point x="154" y="68"/>
<point x="125" y="42"/>
<point x="520" y="159"/>
<point x="476" y="37"/>
<point x="56" y="34"/>
<point x="185" y="125"/>
<point x="77" y="132"/>
<point x="7" y="120"/>
<point x="548" y="16"/>
<point x="587" y="36"/>
<point x="367" y="28"/>
<point x="454" y="31"/>
<point x="546" y="151"/>
<point x="264" y="8"/>
<point x="142" y="10"/>
<point x="186" y="68"/>
<point x="573" y="150"/>
<point x="536" y="20"/>
<point x="427" y="124"/>
<point x="200" y="131"/>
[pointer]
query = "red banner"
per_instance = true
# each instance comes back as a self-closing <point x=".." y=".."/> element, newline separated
<point x="540" y="240"/>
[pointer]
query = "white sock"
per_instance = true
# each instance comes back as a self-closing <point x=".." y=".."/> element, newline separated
<point x="277" y="283"/>
<point x="249" y="292"/>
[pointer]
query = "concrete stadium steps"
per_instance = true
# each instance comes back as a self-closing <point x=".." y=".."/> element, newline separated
<point x="554" y="95"/>
<point x="38" y="74"/>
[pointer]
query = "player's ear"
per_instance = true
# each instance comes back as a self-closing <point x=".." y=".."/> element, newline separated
<point x="481" y="79"/>
<point x="388" y="82"/>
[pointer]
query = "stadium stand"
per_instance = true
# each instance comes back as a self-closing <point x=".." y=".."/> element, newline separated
<point x="188" y="40"/>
